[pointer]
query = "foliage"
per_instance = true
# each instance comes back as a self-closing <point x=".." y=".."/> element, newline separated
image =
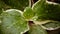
<point x="16" y="4"/>
<point x="28" y="13"/>
<point x="13" y="20"/>
<point x="36" y="29"/>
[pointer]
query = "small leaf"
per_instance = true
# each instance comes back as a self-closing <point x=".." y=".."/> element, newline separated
<point x="28" y="13"/>
<point x="13" y="22"/>
<point x="52" y="25"/>
<point x="36" y="29"/>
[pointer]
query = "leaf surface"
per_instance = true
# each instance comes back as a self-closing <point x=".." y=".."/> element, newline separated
<point x="13" y="22"/>
<point x="36" y="29"/>
<point x="52" y="25"/>
<point x="28" y="13"/>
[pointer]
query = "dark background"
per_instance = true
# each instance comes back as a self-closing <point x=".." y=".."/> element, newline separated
<point x="57" y="1"/>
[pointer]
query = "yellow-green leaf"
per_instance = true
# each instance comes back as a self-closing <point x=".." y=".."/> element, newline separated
<point x="28" y="13"/>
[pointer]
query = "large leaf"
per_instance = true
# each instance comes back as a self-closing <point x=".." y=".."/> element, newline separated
<point x="36" y="29"/>
<point x="18" y="4"/>
<point x="13" y="22"/>
<point x="28" y="13"/>
<point x="49" y="11"/>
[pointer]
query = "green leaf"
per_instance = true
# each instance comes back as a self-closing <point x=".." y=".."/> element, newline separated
<point x="18" y="4"/>
<point x="47" y="11"/>
<point x="13" y="22"/>
<point x="39" y="7"/>
<point x="53" y="11"/>
<point x="52" y="25"/>
<point x="36" y="29"/>
<point x="28" y="13"/>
